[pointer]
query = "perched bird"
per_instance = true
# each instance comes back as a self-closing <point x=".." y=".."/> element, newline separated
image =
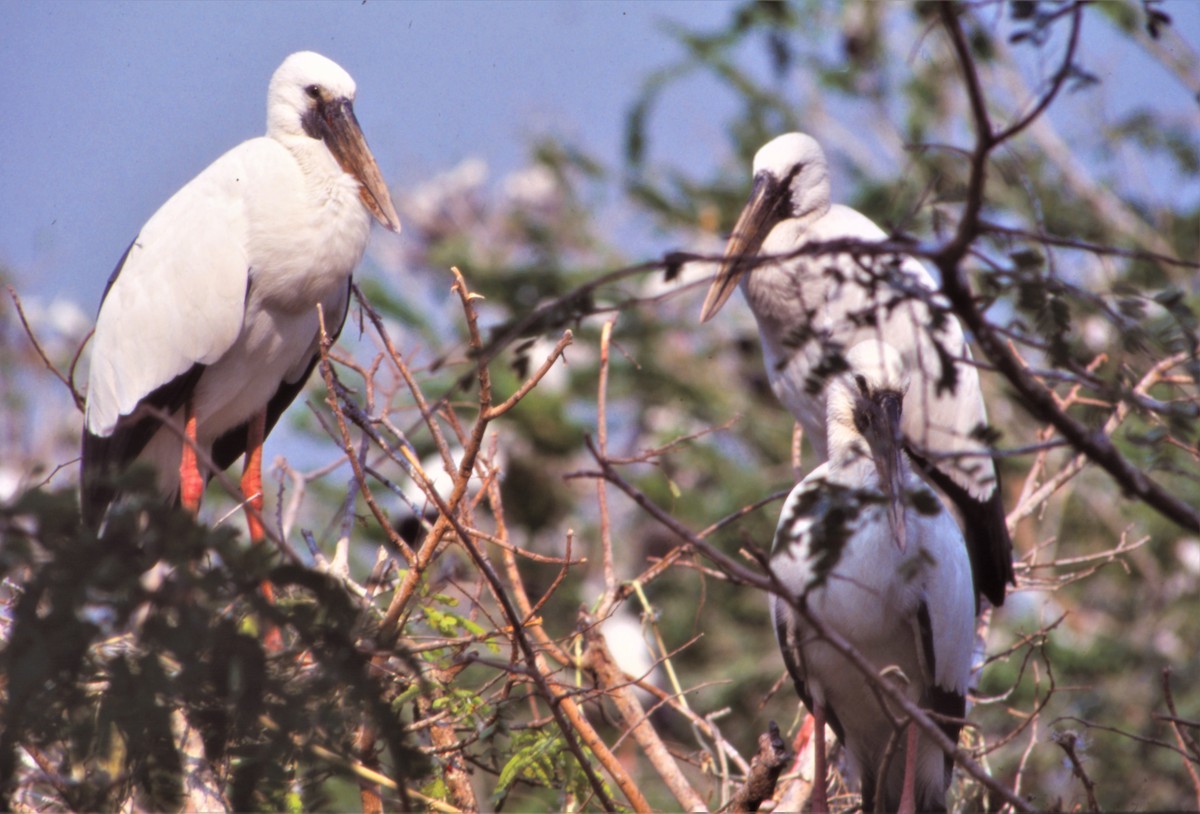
<point x="811" y="307"/>
<point x="211" y="316"/>
<point x="865" y="547"/>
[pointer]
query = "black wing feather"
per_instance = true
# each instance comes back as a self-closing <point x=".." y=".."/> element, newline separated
<point x="985" y="530"/>
<point x="232" y="445"/>
<point x="938" y="699"/>
<point x="105" y="457"/>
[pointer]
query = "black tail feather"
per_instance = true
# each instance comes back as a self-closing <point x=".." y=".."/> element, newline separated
<point x="988" y="543"/>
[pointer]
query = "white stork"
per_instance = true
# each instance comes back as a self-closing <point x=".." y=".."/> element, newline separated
<point x="211" y="315"/>
<point x="868" y="550"/>
<point x="810" y="308"/>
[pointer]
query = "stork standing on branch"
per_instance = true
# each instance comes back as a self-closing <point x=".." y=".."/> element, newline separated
<point x="811" y="307"/>
<point x="211" y="316"/>
<point x="866" y="547"/>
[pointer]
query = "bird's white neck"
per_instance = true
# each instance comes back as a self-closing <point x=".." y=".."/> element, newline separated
<point x="810" y="193"/>
<point x="781" y="292"/>
<point x="315" y="159"/>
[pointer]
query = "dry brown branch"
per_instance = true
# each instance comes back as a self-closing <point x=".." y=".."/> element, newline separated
<point x="1067" y="740"/>
<point x="530" y="383"/>
<point x="394" y="356"/>
<point x="610" y="577"/>
<point x="558" y="706"/>
<point x="1030" y="502"/>
<point x="612" y="680"/>
<point x="1187" y="743"/>
<point x="335" y="399"/>
<point x="766" y="766"/>
<point x="647" y="456"/>
<point x="564" y="711"/>
<point x="1038" y="468"/>
<point x="471" y="445"/>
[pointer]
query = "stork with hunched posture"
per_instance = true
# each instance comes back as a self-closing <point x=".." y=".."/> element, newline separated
<point x="211" y="316"/>
<point x="867" y="549"/>
<point x="811" y="307"/>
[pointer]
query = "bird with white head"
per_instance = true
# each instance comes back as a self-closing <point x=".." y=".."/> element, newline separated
<point x="869" y="551"/>
<point x="211" y="317"/>
<point x="812" y="304"/>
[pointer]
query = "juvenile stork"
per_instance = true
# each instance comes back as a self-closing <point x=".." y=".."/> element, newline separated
<point x="867" y="549"/>
<point x="210" y="318"/>
<point x="811" y="307"/>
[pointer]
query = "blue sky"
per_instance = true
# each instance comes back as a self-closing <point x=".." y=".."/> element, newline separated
<point x="120" y="104"/>
<point x="111" y="107"/>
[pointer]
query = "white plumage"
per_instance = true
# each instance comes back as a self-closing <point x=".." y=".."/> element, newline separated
<point x="893" y="579"/>
<point x="213" y="308"/>
<point x="811" y="308"/>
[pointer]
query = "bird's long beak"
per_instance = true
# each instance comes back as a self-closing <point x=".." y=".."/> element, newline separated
<point x="346" y="141"/>
<point x="761" y="213"/>
<point x="887" y="448"/>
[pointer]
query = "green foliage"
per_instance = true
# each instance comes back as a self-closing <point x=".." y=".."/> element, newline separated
<point x="540" y="759"/>
<point x="114" y="634"/>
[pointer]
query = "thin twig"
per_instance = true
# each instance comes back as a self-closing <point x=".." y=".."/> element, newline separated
<point x="598" y="659"/>
<point x="76" y="396"/>
<point x="1067" y="740"/>
<point x="1185" y="741"/>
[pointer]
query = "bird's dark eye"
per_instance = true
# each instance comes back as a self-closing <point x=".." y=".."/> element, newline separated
<point x="313" y="91"/>
<point x="862" y="420"/>
<point x="861" y="381"/>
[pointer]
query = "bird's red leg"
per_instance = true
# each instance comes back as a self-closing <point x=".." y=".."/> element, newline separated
<point x="252" y="491"/>
<point x="818" y="803"/>
<point x="191" y="484"/>
<point x="252" y="488"/>
<point x="908" y="794"/>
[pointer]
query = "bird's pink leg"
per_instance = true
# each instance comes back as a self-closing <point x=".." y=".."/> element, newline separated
<point x="191" y="483"/>
<point x="908" y="794"/>
<point x="818" y="802"/>
<point x="252" y="488"/>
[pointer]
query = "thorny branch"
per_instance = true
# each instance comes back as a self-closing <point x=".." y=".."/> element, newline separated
<point x="1034" y="397"/>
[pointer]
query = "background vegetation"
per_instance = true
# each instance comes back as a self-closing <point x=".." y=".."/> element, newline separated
<point x="514" y="531"/>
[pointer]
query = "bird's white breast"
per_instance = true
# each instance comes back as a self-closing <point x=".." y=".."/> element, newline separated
<point x="308" y="229"/>
<point x="872" y="594"/>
